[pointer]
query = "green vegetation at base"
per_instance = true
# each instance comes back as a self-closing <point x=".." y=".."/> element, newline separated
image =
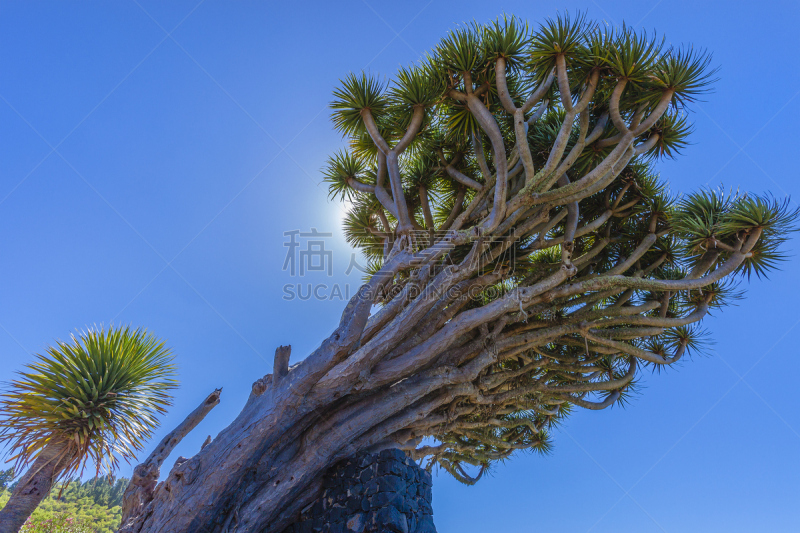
<point x="93" y="506"/>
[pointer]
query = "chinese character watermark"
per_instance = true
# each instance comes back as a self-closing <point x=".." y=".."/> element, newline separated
<point x="307" y="255"/>
<point x="315" y="258"/>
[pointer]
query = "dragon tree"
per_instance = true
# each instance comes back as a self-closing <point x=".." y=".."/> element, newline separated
<point x="526" y="260"/>
<point x="94" y="398"/>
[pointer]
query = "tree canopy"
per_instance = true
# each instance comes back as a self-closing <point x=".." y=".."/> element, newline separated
<point x="532" y="155"/>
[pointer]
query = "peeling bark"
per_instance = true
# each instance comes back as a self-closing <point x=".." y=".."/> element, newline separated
<point x="142" y="487"/>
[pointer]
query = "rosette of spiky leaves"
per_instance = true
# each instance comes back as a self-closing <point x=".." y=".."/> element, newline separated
<point x="542" y="136"/>
<point x="716" y="295"/>
<point x="461" y="51"/>
<point x="563" y="35"/>
<point x="656" y="199"/>
<point x="687" y="72"/>
<point x="775" y="219"/>
<point x="507" y="39"/>
<point x="448" y="192"/>
<point x="633" y="55"/>
<point x="460" y="123"/>
<point x="710" y="219"/>
<point x="341" y="168"/>
<point x="419" y="85"/>
<point x="772" y="216"/>
<point x="697" y="219"/>
<point x="102" y="392"/>
<point x="692" y="339"/>
<point x="357" y="93"/>
<point x="764" y="257"/>
<point x="363" y="228"/>
<point x="597" y="40"/>
<point x="673" y="131"/>
<point x="696" y="339"/>
<point x="491" y="438"/>
<point x="421" y="171"/>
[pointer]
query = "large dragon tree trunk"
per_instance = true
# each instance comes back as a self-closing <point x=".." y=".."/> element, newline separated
<point x="529" y="261"/>
<point x="268" y="464"/>
<point x="346" y="397"/>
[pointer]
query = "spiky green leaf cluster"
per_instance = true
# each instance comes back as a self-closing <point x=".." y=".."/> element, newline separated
<point x="102" y="392"/>
<point x="343" y="166"/>
<point x="356" y="94"/>
<point x="712" y="220"/>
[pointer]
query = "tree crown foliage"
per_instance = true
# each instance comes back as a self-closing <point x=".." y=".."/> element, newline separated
<point x="102" y="392"/>
<point x="543" y="142"/>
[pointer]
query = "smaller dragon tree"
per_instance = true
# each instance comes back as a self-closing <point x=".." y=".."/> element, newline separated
<point x="96" y="398"/>
<point x="526" y="259"/>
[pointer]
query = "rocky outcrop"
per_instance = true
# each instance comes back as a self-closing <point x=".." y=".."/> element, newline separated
<point x="379" y="492"/>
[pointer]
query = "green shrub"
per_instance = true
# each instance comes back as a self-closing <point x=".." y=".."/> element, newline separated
<point x="93" y="506"/>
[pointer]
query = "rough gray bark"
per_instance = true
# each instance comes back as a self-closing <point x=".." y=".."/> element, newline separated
<point x="141" y="488"/>
<point x="34" y="486"/>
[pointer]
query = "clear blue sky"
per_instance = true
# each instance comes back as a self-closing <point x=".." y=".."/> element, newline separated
<point x="153" y="154"/>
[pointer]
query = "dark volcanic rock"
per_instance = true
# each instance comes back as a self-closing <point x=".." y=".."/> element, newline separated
<point x="382" y="492"/>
